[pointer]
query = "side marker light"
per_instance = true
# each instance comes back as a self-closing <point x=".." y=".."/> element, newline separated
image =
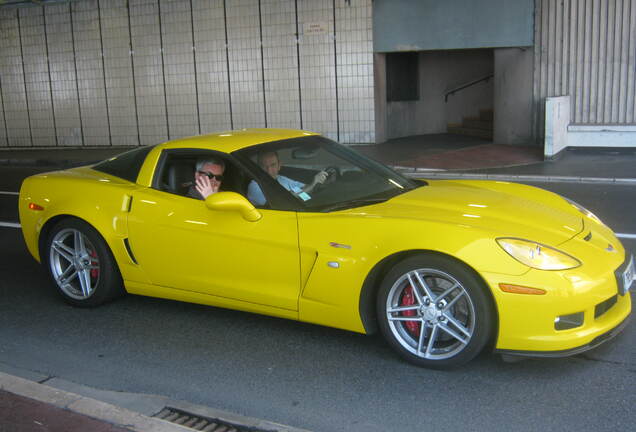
<point x="519" y="289"/>
<point x="33" y="206"/>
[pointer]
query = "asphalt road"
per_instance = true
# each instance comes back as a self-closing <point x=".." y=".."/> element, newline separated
<point x="304" y="375"/>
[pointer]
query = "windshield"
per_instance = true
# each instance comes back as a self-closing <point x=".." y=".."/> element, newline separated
<point x="321" y="175"/>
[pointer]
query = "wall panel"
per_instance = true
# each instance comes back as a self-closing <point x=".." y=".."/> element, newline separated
<point x="280" y="63"/>
<point x="585" y="49"/>
<point x="63" y="75"/>
<point x="245" y="63"/>
<point x="16" y="113"/>
<point x="354" y="58"/>
<point x="118" y="69"/>
<point x="90" y="73"/>
<point x="211" y="65"/>
<point x="318" y="68"/>
<point x="6" y="16"/>
<point x="3" y="124"/>
<point x="149" y="71"/>
<point x="36" y="76"/>
<point x="179" y="70"/>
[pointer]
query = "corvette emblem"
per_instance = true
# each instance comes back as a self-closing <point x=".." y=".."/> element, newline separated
<point x="610" y="248"/>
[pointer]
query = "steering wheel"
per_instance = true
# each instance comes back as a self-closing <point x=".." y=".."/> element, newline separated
<point x="333" y="174"/>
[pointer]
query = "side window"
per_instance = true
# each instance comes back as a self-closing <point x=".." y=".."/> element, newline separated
<point x="177" y="176"/>
<point x="125" y="165"/>
<point x="177" y="172"/>
<point x="287" y="173"/>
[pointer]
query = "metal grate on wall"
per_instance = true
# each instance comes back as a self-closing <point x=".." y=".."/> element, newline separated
<point x="586" y="49"/>
<point x="137" y="72"/>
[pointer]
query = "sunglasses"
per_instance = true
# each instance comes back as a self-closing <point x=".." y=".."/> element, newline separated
<point x="218" y="177"/>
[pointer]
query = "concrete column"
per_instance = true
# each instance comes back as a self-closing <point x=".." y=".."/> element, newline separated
<point x="379" y="74"/>
<point x="513" y="96"/>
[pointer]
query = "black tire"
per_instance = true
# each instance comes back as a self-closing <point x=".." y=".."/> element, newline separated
<point x="80" y="264"/>
<point x="442" y="330"/>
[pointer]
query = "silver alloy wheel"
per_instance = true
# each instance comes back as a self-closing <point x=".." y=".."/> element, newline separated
<point x="74" y="263"/>
<point x="430" y="314"/>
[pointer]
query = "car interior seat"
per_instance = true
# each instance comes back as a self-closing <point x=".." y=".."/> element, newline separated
<point x="180" y="176"/>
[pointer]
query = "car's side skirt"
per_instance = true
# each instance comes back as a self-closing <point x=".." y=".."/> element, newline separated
<point x="206" y="299"/>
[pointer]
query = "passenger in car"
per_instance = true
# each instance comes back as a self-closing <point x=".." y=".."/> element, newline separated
<point x="207" y="178"/>
<point x="270" y="163"/>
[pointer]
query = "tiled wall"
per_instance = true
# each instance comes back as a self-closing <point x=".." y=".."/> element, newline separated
<point x="15" y="111"/>
<point x="355" y="72"/>
<point x="117" y="72"/>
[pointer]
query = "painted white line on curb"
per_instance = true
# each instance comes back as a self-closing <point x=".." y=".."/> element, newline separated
<point x="10" y="225"/>
<point x="9" y="193"/>
<point x="627" y="236"/>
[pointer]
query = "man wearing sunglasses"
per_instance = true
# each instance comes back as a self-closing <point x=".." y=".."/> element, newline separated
<point x="207" y="178"/>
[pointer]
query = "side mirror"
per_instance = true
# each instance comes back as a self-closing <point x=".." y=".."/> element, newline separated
<point x="231" y="201"/>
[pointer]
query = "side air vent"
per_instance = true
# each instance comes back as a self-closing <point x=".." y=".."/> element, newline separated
<point x="129" y="250"/>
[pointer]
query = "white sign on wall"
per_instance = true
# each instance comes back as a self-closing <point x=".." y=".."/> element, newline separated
<point x="314" y="28"/>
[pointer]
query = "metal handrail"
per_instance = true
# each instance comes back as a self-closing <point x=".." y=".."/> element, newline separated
<point x="468" y="84"/>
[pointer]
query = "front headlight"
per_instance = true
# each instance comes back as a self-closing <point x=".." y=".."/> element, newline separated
<point x="583" y="210"/>
<point x="536" y="255"/>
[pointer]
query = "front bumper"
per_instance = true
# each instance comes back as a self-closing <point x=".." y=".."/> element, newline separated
<point x="572" y="351"/>
<point x="527" y="322"/>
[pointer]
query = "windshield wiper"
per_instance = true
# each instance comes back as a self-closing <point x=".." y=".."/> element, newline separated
<point x="354" y="203"/>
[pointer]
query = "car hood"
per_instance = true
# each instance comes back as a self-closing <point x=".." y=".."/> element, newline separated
<point x="502" y="208"/>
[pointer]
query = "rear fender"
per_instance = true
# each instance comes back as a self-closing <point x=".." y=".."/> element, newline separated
<point x="104" y="206"/>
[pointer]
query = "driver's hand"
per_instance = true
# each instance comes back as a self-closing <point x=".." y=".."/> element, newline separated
<point x="320" y="177"/>
<point x="205" y="187"/>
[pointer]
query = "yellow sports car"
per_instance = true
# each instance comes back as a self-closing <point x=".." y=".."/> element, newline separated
<point x="290" y="224"/>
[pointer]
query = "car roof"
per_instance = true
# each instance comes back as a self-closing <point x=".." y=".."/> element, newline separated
<point x="230" y="141"/>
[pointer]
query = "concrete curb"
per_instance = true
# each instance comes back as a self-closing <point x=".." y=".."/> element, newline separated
<point x="86" y="406"/>
<point x="123" y="417"/>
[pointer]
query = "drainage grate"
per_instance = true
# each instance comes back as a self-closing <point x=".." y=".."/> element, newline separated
<point x="199" y="423"/>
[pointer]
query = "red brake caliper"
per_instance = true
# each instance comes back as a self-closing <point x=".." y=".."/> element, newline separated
<point x="95" y="271"/>
<point x="408" y="299"/>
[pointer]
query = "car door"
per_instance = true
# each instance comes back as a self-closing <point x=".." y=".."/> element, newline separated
<point x="181" y="244"/>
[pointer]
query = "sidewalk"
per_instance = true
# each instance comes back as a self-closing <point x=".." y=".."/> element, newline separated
<point x="446" y="156"/>
<point x="28" y="406"/>
<point x="432" y="156"/>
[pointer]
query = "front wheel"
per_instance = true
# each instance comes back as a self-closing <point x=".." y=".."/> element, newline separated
<point x="434" y="311"/>
<point x="81" y="265"/>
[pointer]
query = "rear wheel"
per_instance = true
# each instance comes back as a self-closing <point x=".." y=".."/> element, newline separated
<point x="81" y="265"/>
<point x="434" y="311"/>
